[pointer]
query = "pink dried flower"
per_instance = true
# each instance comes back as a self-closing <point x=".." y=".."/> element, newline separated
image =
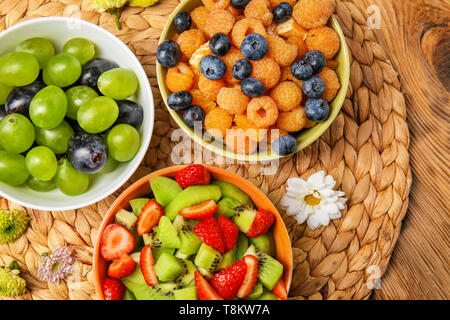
<point x="56" y="266"/>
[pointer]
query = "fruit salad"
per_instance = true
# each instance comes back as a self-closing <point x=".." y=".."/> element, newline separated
<point x="243" y="68"/>
<point x="193" y="238"/>
<point x="64" y="116"/>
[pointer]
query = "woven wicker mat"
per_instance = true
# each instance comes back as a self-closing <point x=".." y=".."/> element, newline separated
<point x="366" y="150"/>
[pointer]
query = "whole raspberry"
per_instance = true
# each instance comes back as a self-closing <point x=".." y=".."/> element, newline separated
<point x="189" y="41"/>
<point x="253" y="131"/>
<point x="262" y="111"/>
<point x="219" y="21"/>
<point x="198" y="99"/>
<point x="239" y="140"/>
<point x="292" y="121"/>
<point x="232" y="100"/>
<point x="312" y="13"/>
<point x="216" y="4"/>
<point x="287" y="95"/>
<point x="323" y="39"/>
<point x="259" y="9"/>
<point x="244" y="27"/>
<point x="283" y="52"/>
<point x="210" y="88"/>
<point x="332" y="84"/>
<point x="199" y="16"/>
<point x="267" y="71"/>
<point x="179" y="78"/>
<point x="217" y="121"/>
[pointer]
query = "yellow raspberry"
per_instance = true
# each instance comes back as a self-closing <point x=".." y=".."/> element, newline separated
<point x="253" y="131"/>
<point x="259" y="9"/>
<point x="332" y="84"/>
<point x="267" y="71"/>
<point x="198" y="99"/>
<point x="219" y="21"/>
<point x="217" y="121"/>
<point x="179" y="78"/>
<point x="312" y="13"/>
<point x="325" y="40"/>
<point x="262" y="111"/>
<point x="287" y="95"/>
<point x="189" y="41"/>
<point x="244" y="27"/>
<point x="210" y="88"/>
<point x="199" y="16"/>
<point x="239" y="141"/>
<point x="283" y="52"/>
<point x="232" y="100"/>
<point x="216" y="4"/>
<point x="292" y="121"/>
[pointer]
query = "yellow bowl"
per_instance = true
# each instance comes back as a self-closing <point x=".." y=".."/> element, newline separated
<point x="304" y="139"/>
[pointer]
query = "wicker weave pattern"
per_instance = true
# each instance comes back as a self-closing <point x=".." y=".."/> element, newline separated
<point x="366" y="150"/>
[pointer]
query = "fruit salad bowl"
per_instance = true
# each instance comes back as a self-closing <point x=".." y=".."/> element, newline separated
<point x="59" y="30"/>
<point x="303" y="138"/>
<point x="129" y="201"/>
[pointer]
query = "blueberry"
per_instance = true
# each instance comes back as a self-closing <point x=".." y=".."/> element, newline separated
<point x="93" y="69"/>
<point x="19" y="99"/>
<point x="179" y="100"/>
<point x="254" y="46"/>
<point x="182" y="21"/>
<point x="220" y="44"/>
<point x="284" y="145"/>
<point x="193" y="115"/>
<point x="87" y="152"/>
<point x="282" y="12"/>
<point x="242" y="69"/>
<point x="316" y="109"/>
<point x="301" y="70"/>
<point x="252" y="87"/>
<point x="130" y="113"/>
<point x="2" y="112"/>
<point x="316" y="60"/>
<point x="168" y="54"/>
<point x="314" y="87"/>
<point x="213" y="67"/>
<point x="239" y="4"/>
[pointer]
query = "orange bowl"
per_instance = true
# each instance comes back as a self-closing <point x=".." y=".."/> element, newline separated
<point x="142" y="187"/>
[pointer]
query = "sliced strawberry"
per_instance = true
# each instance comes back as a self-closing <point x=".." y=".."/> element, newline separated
<point x="149" y="217"/>
<point x="229" y="232"/>
<point x="115" y="242"/>
<point x="251" y="277"/>
<point x="280" y="290"/>
<point x="201" y="211"/>
<point x="122" y="267"/>
<point x="147" y="262"/>
<point x="195" y="174"/>
<point x="228" y="281"/>
<point x="113" y="289"/>
<point x="262" y="222"/>
<point x="208" y="230"/>
<point x="204" y="289"/>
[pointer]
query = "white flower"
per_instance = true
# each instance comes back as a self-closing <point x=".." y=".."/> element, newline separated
<point x="313" y="200"/>
<point x="56" y="266"/>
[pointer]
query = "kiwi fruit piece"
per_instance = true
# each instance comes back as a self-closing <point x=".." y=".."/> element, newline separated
<point x="270" y="270"/>
<point x="188" y="275"/>
<point x="229" y="190"/>
<point x="205" y="273"/>
<point x="164" y="189"/>
<point x="190" y="242"/>
<point x="150" y="238"/>
<point x="257" y="291"/>
<point x="207" y="258"/>
<point x="168" y="268"/>
<point x="227" y="259"/>
<point x="226" y="206"/>
<point x="268" y="295"/>
<point x="137" y="205"/>
<point x="128" y="295"/>
<point x="265" y="243"/>
<point x="157" y="252"/>
<point x="191" y="196"/>
<point x="189" y="293"/>
<point x="241" y="246"/>
<point x="244" y="217"/>
<point x="137" y="285"/>
<point x="167" y="234"/>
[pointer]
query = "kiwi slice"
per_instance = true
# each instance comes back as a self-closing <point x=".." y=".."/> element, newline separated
<point x="137" y="205"/>
<point x="268" y="295"/>
<point x="229" y="190"/>
<point x="128" y="295"/>
<point x="227" y="259"/>
<point x="137" y="285"/>
<point x="150" y="238"/>
<point x="164" y="189"/>
<point x="241" y="246"/>
<point x="244" y="217"/>
<point x="157" y="252"/>
<point x="167" y="234"/>
<point x="188" y="275"/>
<point x="207" y="258"/>
<point x="189" y="293"/>
<point x="190" y="242"/>
<point x="168" y="268"/>
<point x="269" y="269"/>
<point x="226" y="206"/>
<point x="265" y="243"/>
<point x="256" y="292"/>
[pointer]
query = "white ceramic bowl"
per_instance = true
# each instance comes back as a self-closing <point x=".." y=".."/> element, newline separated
<point x="58" y="30"/>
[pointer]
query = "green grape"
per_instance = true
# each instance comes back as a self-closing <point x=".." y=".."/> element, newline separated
<point x="39" y="185"/>
<point x="42" y="49"/>
<point x="4" y="92"/>
<point x="12" y="168"/>
<point x="41" y="163"/>
<point x="69" y="180"/>
<point x="57" y="139"/>
<point x="62" y="70"/>
<point x="16" y="133"/>
<point x="80" y="48"/>
<point x="118" y="83"/>
<point x="48" y="107"/>
<point x="110" y="166"/>
<point x="18" y="69"/>
<point x="123" y="142"/>
<point x="76" y="96"/>
<point x="98" y="114"/>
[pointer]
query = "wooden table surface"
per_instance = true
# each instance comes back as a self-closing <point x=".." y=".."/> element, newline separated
<point x="416" y="37"/>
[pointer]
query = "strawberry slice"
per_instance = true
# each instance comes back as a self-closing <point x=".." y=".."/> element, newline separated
<point x="204" y="289"/>
<point x="262" y="222"/>
<point x="194" y="174"/>
<point x="280" y="290"/>
<point x="113" y="289"/>
<point x="149" y="217"/>
<point x="115" y="242"/>
<point x="228" y="281"/>
<point x="229" y="232"/>
<point x="201" y="211"/>
<point x="251" y="277"/>
<point x="122" y="267"/>
<point x="147" y="262"/>
<point x="208" y="230"/>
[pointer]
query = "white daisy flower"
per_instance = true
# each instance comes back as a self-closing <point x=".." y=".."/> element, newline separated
<point x="313" y="200"/>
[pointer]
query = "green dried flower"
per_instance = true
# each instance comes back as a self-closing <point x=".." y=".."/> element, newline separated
<point x="12" y="224"/>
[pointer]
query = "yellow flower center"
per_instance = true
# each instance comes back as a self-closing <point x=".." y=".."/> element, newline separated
<point x="311" y="200"/>
<point x="56" y="265"/>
